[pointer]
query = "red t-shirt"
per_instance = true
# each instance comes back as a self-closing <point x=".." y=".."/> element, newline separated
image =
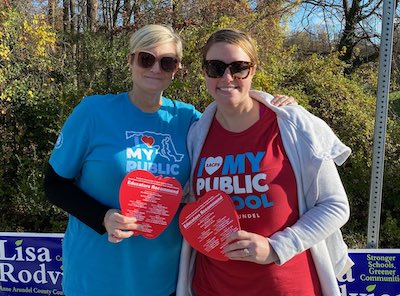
<point x="252" y="167"/>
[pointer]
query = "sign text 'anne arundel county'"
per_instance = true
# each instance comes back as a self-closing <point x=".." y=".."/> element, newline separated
<point x="31" y="264"/>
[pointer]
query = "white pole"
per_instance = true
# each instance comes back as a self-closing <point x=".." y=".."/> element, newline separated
<point x="385" y="61"/>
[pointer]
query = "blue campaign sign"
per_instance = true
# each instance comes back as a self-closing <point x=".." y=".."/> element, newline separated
<point x="376" y="272"/>
<point x="30" y="264"/>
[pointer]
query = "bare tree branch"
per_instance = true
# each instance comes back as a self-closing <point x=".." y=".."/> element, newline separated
<point x="355" y="22"/>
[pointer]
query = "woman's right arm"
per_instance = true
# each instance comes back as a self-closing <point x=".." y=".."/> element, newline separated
<point x="63" y="193"/>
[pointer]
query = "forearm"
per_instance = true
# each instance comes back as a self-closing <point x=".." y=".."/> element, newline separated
<point x="65" y="194"/>
<point x="330" y="212"/>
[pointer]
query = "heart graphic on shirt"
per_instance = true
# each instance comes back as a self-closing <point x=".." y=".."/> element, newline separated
<point x="213" y="164"/>
<point x="153" y="200"/>
<point x="207" y="222"/>
<point x="149" y="141"/>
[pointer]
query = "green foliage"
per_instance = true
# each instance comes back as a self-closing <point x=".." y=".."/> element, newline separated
<point x="28" y="107"/>
<point x="189" y="84"/>
<point x="390" y="231"/>
<point x="101" y="62"/>
<point x="394" y="100"/>
<point x="347" y="104"/>
<point x="44" y="75"/>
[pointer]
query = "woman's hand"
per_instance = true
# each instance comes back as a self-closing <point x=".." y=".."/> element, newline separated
<point x="247" y="246"/>
<point x="119" y="226"/>
<point x="282" y="100"/>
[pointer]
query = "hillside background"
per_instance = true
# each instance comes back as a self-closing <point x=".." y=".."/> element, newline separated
<point x="324" y="53"/>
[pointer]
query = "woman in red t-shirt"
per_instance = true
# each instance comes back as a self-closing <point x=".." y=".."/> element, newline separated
<point x="288" y="195"/>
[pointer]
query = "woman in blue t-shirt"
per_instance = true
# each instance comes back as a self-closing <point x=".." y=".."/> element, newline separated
<point x="104" y="138"/>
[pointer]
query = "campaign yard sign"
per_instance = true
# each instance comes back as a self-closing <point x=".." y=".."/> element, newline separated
<point x="376" y="272"/>
<point x="30" y="264"/>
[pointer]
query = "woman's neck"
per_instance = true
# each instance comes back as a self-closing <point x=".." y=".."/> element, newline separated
<point x="145" y="102"/>
<point x="239" y="118"/>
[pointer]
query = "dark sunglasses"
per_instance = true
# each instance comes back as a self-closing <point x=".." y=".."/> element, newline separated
<point x="238" y="69"/>
<point x="147" y="60"/>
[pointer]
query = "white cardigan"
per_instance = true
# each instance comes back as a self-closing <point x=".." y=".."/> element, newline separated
<point x="313" y="149"/>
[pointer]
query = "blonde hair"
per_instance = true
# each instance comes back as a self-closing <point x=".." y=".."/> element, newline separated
<point x="235" y="37"/>
<point x="154" y="35"/>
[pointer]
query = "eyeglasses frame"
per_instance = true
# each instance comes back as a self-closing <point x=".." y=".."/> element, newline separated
<point x="228" y="66"/>
<point x="156" y="59"/>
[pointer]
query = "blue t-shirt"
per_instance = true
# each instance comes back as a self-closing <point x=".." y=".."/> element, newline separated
<point x="104" y="138"/>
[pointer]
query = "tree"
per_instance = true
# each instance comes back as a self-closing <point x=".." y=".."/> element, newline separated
<point x="28" y="104"/>
<point x="355" y="22"/>
<point x="66" y="16"/>
<point x="52" y="12"/>
<point x="396" y="56"/>
<point x="43" y="78"/>
<point x="110" y="11"/>
<point x="92" y="7"/>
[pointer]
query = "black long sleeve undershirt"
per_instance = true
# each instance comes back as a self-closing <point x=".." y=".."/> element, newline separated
<point x="63" y="193"/>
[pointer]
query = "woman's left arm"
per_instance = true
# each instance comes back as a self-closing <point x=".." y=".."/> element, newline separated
<point x="330" y="212"/>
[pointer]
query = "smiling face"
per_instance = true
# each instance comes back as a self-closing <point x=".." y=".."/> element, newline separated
<point x="226" y="90"/>
<point x="152" y="80"/>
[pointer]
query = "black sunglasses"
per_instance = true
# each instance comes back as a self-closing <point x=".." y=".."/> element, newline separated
<point x="147" y="60"/>
<point x="238" y="69"/>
